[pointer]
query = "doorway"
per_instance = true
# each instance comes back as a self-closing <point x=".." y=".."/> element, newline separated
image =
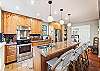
<point x="58" y="35"/>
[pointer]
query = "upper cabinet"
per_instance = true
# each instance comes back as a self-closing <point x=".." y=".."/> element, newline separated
<point x="12" y="20"/>
<point x="24" y="21"/>
<point x="10" y="23"/>
<point x="36" y="26"/>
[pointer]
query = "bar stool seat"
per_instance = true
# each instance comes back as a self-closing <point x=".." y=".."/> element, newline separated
<point x="57" y="64"/>
<point x="52" y="61"/>
<point x="59" y="67"/>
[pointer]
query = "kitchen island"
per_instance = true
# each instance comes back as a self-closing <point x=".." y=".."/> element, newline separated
<point x="43" y="54"/>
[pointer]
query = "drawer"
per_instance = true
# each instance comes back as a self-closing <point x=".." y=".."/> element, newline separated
<point x="11" y="58"/>
<point x="34" y="44"/>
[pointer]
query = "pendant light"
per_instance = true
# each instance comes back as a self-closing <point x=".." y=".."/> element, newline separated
<point x="61" y="20"/>
<point x="69" y="23"/>
<point x="50" y="18"/>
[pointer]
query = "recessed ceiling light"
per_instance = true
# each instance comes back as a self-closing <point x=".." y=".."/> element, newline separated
<point x="66" y="14"/>
<point x="56" y="12"/>
<point x="17" y="8"/>
<point x="32" y="2"/>
<point x="66" y="18"/>
<point x="38" y="14"/>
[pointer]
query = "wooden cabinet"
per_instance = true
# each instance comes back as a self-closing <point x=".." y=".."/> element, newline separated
<point x="39" y="26"/>
<point x="40" y="43"/>
<point x="11" y="20"/>
<point x="34" y="43"/>
<point x="10" y="53"/>
<point x="36" y="27"/>
<point x="10" y="23"/>
<point x="24" y="21"/>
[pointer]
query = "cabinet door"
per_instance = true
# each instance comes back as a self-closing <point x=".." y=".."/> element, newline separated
<point x="28" y="22"/>
<point x="39" y="23"/>
<point x="13" y="25"/>
<point x="21" y="21"/>
<point x="36" y="27"/>
<point x="9" y="23"/>
<point x="24" y="21"/>
<point x="6" y="18"/>
<point x="33" y="26"/>
<point x="10" y="53"/>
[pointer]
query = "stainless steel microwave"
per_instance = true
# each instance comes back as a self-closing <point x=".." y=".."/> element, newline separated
<point x="23" y="32"/>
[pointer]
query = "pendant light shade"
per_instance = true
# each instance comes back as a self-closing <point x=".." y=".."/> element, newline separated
<point x="61" y="20"/>
<point x="50" y="18"/>
<point x="69" y="23"/>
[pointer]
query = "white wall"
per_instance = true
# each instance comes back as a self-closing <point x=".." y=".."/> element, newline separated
<point x="83" y="32"/>
<point x="93" y="28"/>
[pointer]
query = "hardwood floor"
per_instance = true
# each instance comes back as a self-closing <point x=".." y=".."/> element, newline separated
<point x="94" y="64"/>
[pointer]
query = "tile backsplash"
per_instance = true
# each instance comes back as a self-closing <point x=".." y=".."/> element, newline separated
<point x="9" y="38"/>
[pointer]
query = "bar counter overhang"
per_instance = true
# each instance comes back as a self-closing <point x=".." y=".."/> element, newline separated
<point x="40" y="57"/>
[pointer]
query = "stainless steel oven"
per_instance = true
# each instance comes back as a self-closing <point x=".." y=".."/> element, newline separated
<point x="24" y="51"/>
<point x="24" y="48"/>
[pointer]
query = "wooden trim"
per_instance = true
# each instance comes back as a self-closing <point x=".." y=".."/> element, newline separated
<point x="21" y="15"/>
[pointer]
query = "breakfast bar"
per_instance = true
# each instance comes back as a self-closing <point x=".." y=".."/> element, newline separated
<point x="42" y="55"/>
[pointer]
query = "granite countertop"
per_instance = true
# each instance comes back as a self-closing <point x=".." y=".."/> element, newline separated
<point x="59" y="47"/>
<point x="2" y="44"/>
<point x="12" y="43"/>
<point x="39" y="40"/>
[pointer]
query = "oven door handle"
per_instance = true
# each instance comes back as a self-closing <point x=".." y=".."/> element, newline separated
<point x="24" y="44"/>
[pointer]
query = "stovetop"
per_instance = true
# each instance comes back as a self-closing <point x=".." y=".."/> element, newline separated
<point x="25" y="41"/>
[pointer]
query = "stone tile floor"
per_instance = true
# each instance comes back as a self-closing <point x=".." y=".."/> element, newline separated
<point x="26" y="65"/>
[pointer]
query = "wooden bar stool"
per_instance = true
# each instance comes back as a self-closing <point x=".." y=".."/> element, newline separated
<point x="95" y="45"/>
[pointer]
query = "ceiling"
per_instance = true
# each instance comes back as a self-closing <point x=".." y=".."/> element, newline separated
<point x="81" y="10"/>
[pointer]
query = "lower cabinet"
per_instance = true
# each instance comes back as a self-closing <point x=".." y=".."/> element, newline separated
<point x="10" y="53"/>
<point x="40" y="43"/>
<point x="35" y="44"/>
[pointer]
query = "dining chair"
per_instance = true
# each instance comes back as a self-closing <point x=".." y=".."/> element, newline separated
<point x="95" y="45"/>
